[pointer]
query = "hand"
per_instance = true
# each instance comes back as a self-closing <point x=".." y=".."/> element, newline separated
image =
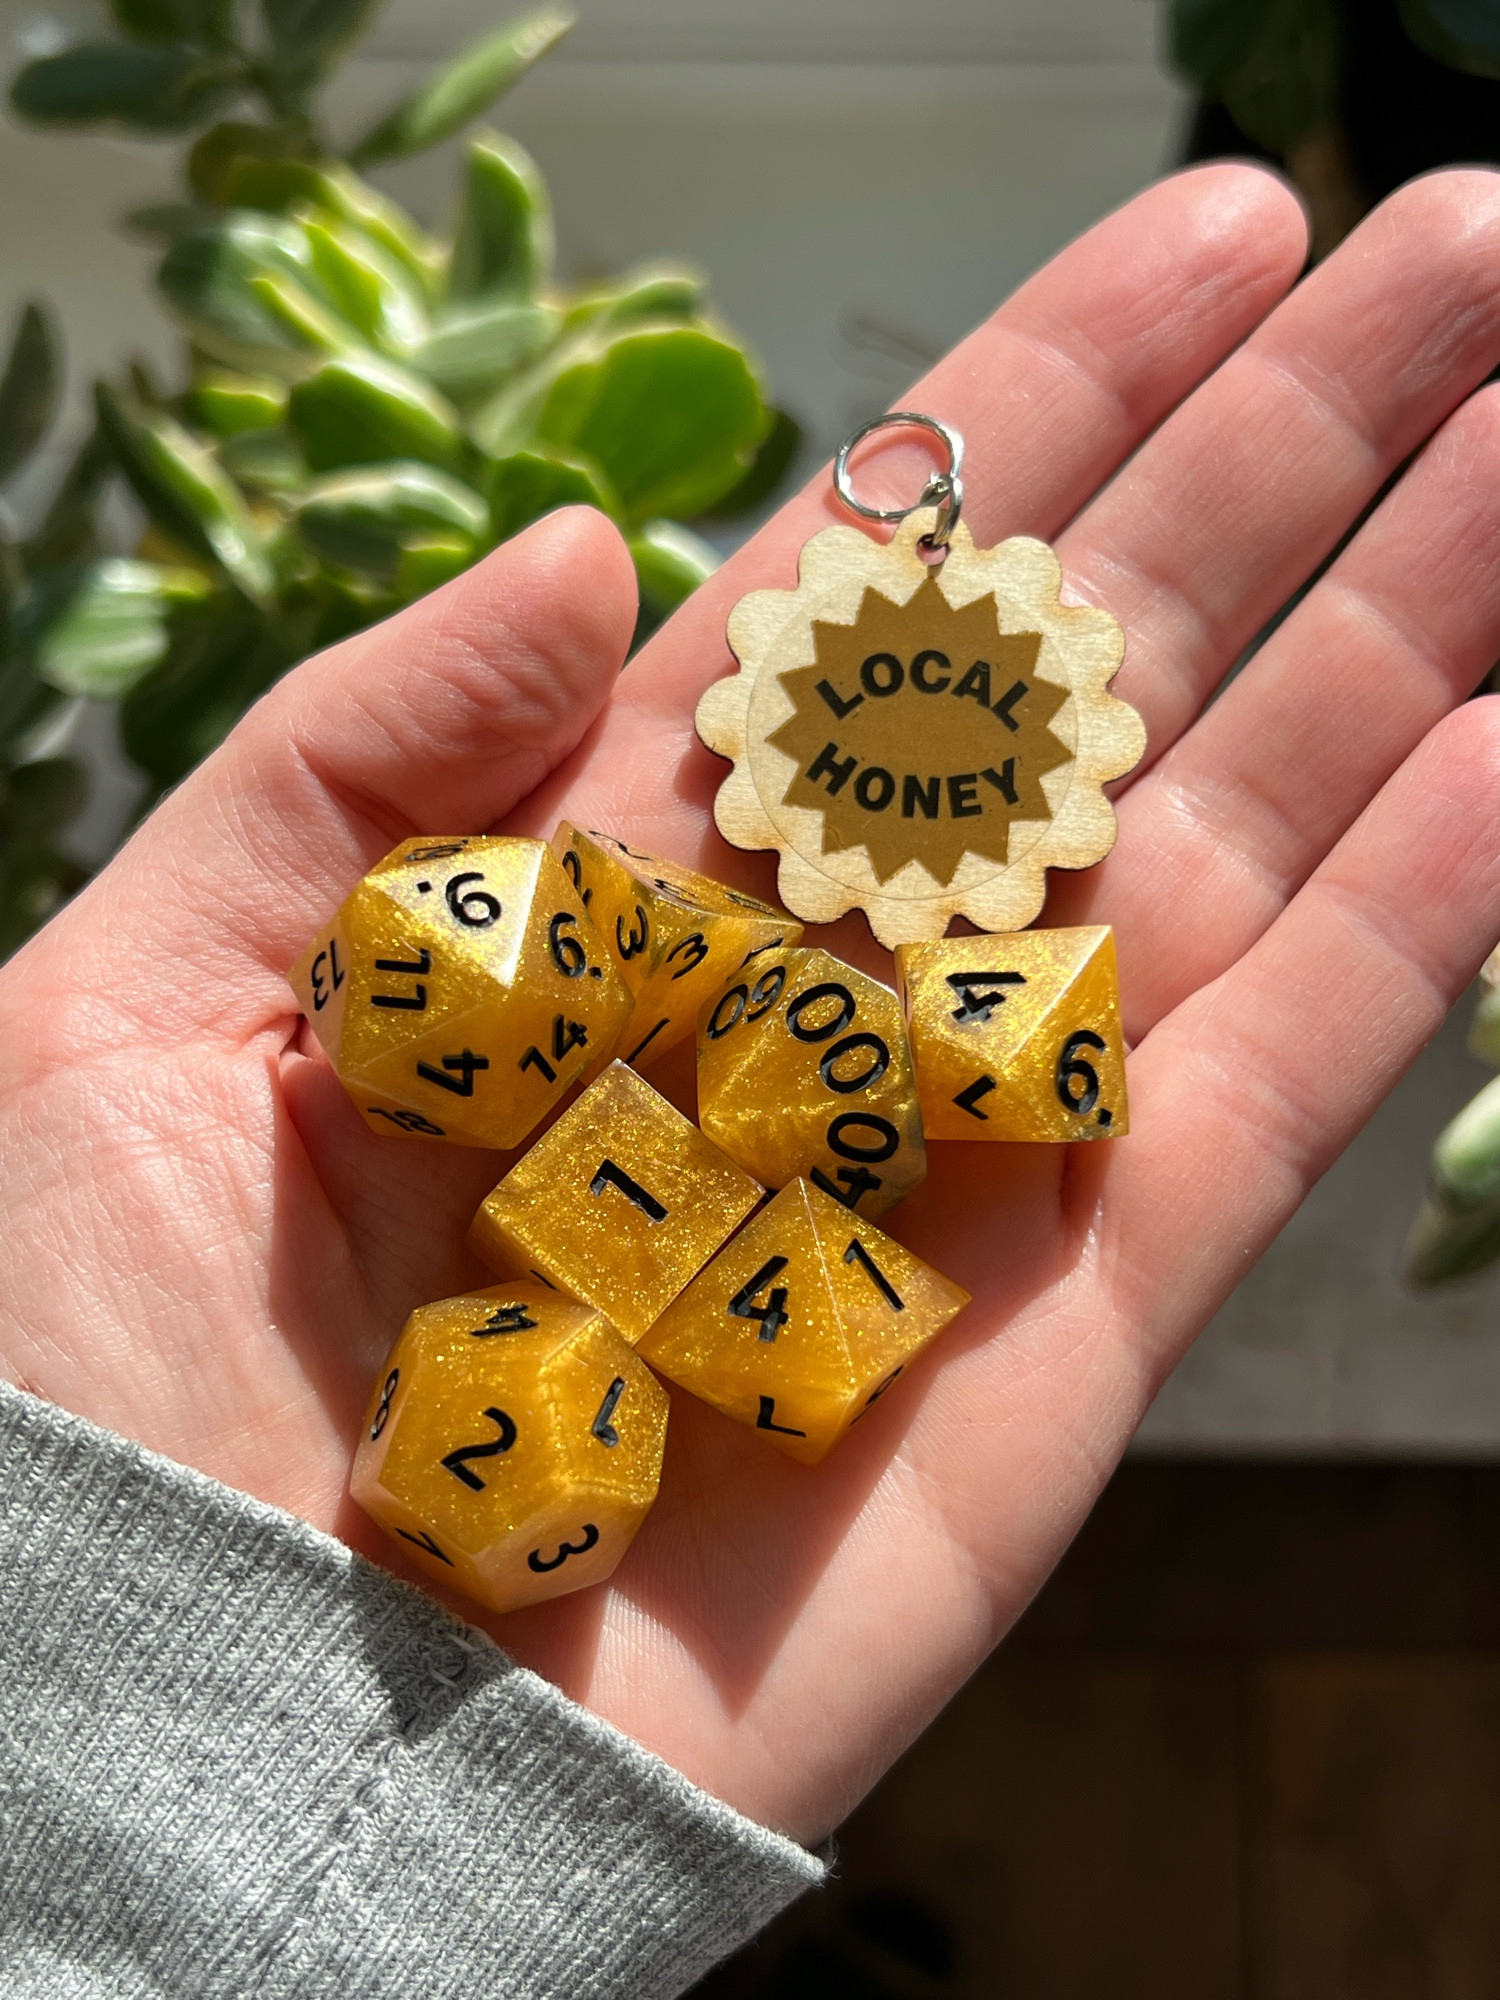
<point x="203" y="1247"/>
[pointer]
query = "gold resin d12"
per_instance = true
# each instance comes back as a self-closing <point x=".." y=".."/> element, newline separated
<point x="512" y="1445"/>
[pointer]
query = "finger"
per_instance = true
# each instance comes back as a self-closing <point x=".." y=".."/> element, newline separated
<point x="1244" y="490"/>
<point x="1238" y="814"/>
<point x="1051" y="393"/>
<point x="435" y="721"/>
<point x="1244" y="1095"/>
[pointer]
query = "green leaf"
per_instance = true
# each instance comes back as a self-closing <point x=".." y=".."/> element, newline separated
<point x="368" y="520"/>
<point x="213" y="279"/>
<point x="368" y="287"/>
<point x="227" y="146"/>
<point x="1466" y="1158"/>
<point x="307" y="34"/>
<point x="67" y="532"/>
<point x="463" y="88"/>
<point x="504" y="245"/>
<point x="361" y="411"/>
<point x="425" y="566"/>
<point x="1275" y="64"/>
<point x="1441" y="1246"/>
<point x="672" y="415"/>
<point x="468" y="352"/>
<point x="655" y="291"/>
<point x="769" y="467"/>
<point x="158" y="90"/>
<point x="225" y="405"/>
<point x="184" y="489"/>
<point x="101" y="630"/>
<point x="670" y="563"/>
<point x="221" y="659"/>
<point x="265" y="462"/>
<point x="29" y="387"/>
<point x="276" y="184"/>
<point x="525" y="485"/>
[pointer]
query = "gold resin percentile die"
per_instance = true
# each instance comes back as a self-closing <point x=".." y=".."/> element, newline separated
<point x="619" y="1204"/>
<point x="512" y="1445"/>
<point x="920" y="742"/>
<point x="461" y="990"/>
<point x="1017" y="1037"/>
<point x="804" y="1070"/>
<point x="675" y="935"/>
<point x="803" y="1322"/>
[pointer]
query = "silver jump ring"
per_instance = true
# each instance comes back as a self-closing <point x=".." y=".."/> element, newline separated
<point x="945" y="490"/>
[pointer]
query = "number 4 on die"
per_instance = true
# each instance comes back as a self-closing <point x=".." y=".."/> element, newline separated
<point x="1017" y="1036"/>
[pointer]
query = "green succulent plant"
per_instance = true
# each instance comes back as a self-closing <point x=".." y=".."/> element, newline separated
<point x="367" y="409"/>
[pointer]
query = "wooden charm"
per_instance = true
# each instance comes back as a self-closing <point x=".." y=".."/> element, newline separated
<point x="920" y="740"/>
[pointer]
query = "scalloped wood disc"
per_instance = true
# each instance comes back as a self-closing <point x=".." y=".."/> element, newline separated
<point x="920" y="743"/>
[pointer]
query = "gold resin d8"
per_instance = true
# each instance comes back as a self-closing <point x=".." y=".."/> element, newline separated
<point x="804" y="1069"/>
<point x="512" y="1445"/>
<point x="461" y="990"/>
<point x="620" y="1203"/>
<point x="674" y="935"/>
<point x="803" y="1322"/>
<point x="1017" y="1036"/>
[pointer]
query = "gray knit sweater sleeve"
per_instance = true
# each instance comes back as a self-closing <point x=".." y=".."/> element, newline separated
<point x="239" y="1762"/>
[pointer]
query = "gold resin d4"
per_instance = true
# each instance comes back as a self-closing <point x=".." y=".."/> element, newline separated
<point x="675" y="935"/>
<point x="461" y="990"/>
<point x="619" y="1204"/>
<point x="803" y="1322"/>
<point x="804" y="1070"/>
<point x="512" y="1444"/>
<point x="1017" y="1036"/>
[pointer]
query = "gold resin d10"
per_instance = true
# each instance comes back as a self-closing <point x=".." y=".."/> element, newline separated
<point x="675" y="935"/>
<point x="1018" y="1036"/>
<point x="620" y="1203"/>
<point x="461" y="990"/>
<point x="804" y="1070"/>
<point x="803" y="1322"/>
<point x="512" y="1444"/>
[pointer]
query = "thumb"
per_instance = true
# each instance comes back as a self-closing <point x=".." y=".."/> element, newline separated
<point x="439" y="720"/>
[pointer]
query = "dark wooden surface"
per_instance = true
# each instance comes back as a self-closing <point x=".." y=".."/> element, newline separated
<point x="1245" y="1746"/>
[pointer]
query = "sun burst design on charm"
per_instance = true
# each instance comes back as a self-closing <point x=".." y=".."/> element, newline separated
<point x="920" y="742"/>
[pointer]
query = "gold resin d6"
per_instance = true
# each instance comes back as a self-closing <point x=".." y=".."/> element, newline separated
<point x="461" y="990"/>
<point x="620" y="1203"/>
<point x="803" y="1322"/>
<point x="675" y="935"/>
<point x="512" y="1444"/>
<point x="1017" y="1036"/>
<point x="804" y="1069"/>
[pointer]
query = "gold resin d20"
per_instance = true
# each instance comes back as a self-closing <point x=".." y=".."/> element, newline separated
<point x="804" y="1070"/>
<point x="1017" y="1037"/>
<point x="620" y="1203"/>
<point x="461" y="990"/>
<point x="803" y="1322"/>
<point x="675" y="935"/>
<point x="512" y="1445"/>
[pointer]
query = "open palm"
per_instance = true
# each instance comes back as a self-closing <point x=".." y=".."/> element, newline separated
<point x="204" y="1248"/>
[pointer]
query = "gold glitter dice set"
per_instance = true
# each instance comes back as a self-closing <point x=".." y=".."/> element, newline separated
<point x="513" y="1440"/>
<point x="922" y="728"/>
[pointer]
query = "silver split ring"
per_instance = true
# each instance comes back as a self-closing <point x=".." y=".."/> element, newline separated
<point x="944" y="490"/>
